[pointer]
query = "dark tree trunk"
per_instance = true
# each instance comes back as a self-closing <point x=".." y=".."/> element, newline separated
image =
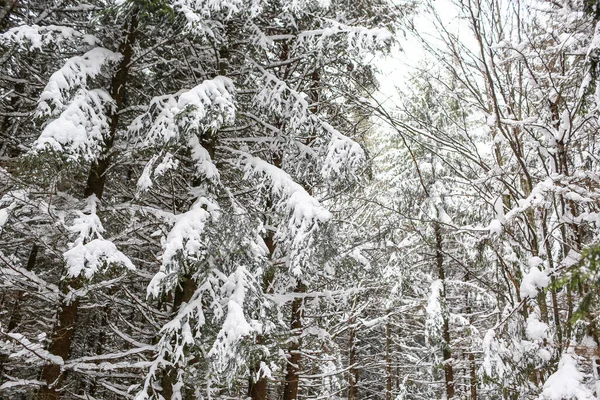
<point x="15" y="318"/>
<point x="471" y="354"/>
<point x="183" y="294"/>
<point x="446" y="352"/>
<point x="388" y="360"/>
<point x="59" y="346"/>
<point x="473" y="375"/>
<point x="290" y="390"/>
<point x="257" y="390"/>
<point x="97" y="176"/>
<point x="352" y="361"/>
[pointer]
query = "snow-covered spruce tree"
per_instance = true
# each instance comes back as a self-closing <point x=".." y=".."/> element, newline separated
<point x="264" y="166"/>
<point x="232" y="109"/>
<point x="44" y="208"/>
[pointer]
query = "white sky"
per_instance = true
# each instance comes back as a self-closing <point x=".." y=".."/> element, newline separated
<point x="397" y="67"/>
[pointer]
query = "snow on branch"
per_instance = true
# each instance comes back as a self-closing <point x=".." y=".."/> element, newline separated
<point x="542" y="192"/>
<point x="10" y="384"/>
<point x="72" y="76"/>
<point x="12" y="272"/>
<point x="305" y="212"/>
<point x="208" y="105"/>
<point x="6" y="211"/>
<point x="199" y="13"/>
<point x="35" y="37"/>
<point x="187" y="240"/>
<point x="300" y="6"/>
<point x="181" y="117"/>
<point x="358" y="37"/>
<point x="168" y="162"/>
<point x="89" y="257"/>
<point x="32" y="352"/>
<point x="532" y="282"/>
<point x="235" y="326"/>
<point x="157" y="125"/>
<point x="434" y="310"/>
<point x="79" y="130"/>
<point x="493" y="349"/>
<point x="276" y="96"/>
<point x="567" y="382"/>
<point x="344" y="156"/>
<point x="170" y="350"/>
<point x="204" y="164"/>
<point x="216" y="291"/>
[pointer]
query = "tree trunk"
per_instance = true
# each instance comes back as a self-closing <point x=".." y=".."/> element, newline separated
<point x="388" y="360"/>
<point x="446" y="352"/>
<point x="183" y="294"/>
<point x="258" y="390"/>
<point x="290" y="390"/>
<point x="59" y="346"/>
<point x="471" y="354"/>
<point x="62" y="337"/>
<point x="97" y="176"/>
<point x="353" y="371"/>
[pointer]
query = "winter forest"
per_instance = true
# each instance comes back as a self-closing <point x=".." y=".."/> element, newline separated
<point x="231" y="199"/>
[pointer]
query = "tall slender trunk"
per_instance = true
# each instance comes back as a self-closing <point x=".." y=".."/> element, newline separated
<point x="388" y="360"/>
<point x="187" y="287"/>
<point x="290" y="390"/>
<point x="353" y="372"/>
<point x="446" y="351"/>
<point x="183" y="294"/>
<point x="16" y="317"/>
<point x="471" y="354"/>
<point x="555" y="305"/>
<point x="473" y="376"/>
<point x="97" y="176"/>
<point x="292" y="377"/>
<point x="64" y="331"/>
<point x="257" y="389"/>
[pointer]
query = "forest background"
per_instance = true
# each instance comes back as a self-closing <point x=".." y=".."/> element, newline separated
<point x="220" y="199"/>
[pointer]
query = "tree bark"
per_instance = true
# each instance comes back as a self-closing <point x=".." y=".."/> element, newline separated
<point x="388" y="360"/>
<point x="353" y="372"/>
<point x="446" y="351"/>
<point x="257" y="390"/>
<point x="471" y="354"/>
<point x="97" y="176"/>
<point x="290" y="390"/>
<point x="183" y="294"/>
<point x="59" y="346"/>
